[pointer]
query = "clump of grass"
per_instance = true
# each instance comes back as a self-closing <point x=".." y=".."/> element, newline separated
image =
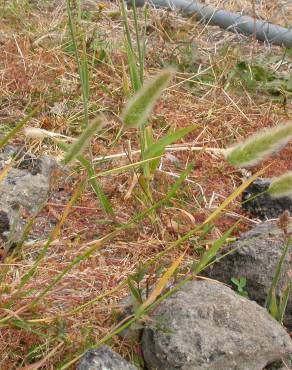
<point x="34" y="304"/>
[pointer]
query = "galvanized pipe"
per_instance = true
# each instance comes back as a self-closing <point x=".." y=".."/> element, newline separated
<point x="264" y="31"/>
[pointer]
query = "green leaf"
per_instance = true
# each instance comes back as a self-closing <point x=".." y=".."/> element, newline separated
<point x="281" y="186"/>
<point x="139" y="275"/>
<point x="211" y="253"/>
<point x="134" y="291"/>
<point x="93" y="182"/>
<point x="79" y="145"/>
<point x="242" y="282"/>
<point x="133" y="70"/>
<point x="284" y="300"/>
<point x="141" y="105"/>
<point x="95" y="186"/>
<point x="84" y="74"/>
<point x="258" y="146"/>
<point x="157" y="148"/>
<point x="235" y="281"/>
<point x="277" y="275"/>
<point x="273" y="307"/>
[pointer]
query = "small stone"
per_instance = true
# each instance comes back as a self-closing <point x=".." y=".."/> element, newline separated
<point x="104" y="358"/>
<point x="257" y="202"/>
<point x="22" y="191"/>
<point x="207" y="326"/>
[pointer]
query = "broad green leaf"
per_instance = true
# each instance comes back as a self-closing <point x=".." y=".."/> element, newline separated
<point x="140" y="106"/>
<point x="242" y="282"/>
<point x="258" y="146"/>
<point x="281" y="186"/>
<point x="79" y="145"/>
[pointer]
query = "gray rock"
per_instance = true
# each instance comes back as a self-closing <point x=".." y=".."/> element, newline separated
<point x="263" y="206"/>
<point x="22" y="191"/>
<point x="104" y="358"/>
<point x="255" y="258"/>
<point x="206" y="325"/>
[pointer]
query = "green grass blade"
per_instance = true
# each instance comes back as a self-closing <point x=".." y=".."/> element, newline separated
<point x="92" y="180"/>
<point x="211" y="253"/>
<point x="125" y="168"/>
<point x="134" y="291"/>
<point x="96" y="187"/>
<point x="92" y="249"/>
<point x="258" y="146"/>
<point x="284" y="300"/>
<point x="18" y="127"/>
<point x="144" y="38"/>
<point x="81" y="66"/>
<point x="140" y="106"/>
<point x="132" y="62"/>
<point x="273" y="306"/>
<point x="282" y="186"/>
<point x="126" y="24"/>
<point x="157" y="148"/>
<point x="277" y="274"/>
<point x="79" y="145"/>
<point x="85" y="73"/>
<point x="138" y="41"/>
<point x="133" y="70"/>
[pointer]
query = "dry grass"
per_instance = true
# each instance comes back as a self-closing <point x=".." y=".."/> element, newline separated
<point x="38" y="67"/>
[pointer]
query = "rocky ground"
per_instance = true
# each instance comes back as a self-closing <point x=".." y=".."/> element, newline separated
<point x="60" y="297"/>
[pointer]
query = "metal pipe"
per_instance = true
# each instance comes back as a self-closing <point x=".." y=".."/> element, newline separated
<point x="264" y="31"/>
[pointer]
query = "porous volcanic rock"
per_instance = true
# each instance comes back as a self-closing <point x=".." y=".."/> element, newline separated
<point x="255" y="257"/>
<point x="206" y="325"/>
<point x="23" y="190"/>
<point x="258" y="203"/>
<point x="104" y="358"/>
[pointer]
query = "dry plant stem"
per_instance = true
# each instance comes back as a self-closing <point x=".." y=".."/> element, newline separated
<point x="167" y="149"/>
<point x="42" y="362"/>
<point x="43" y="252"/>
